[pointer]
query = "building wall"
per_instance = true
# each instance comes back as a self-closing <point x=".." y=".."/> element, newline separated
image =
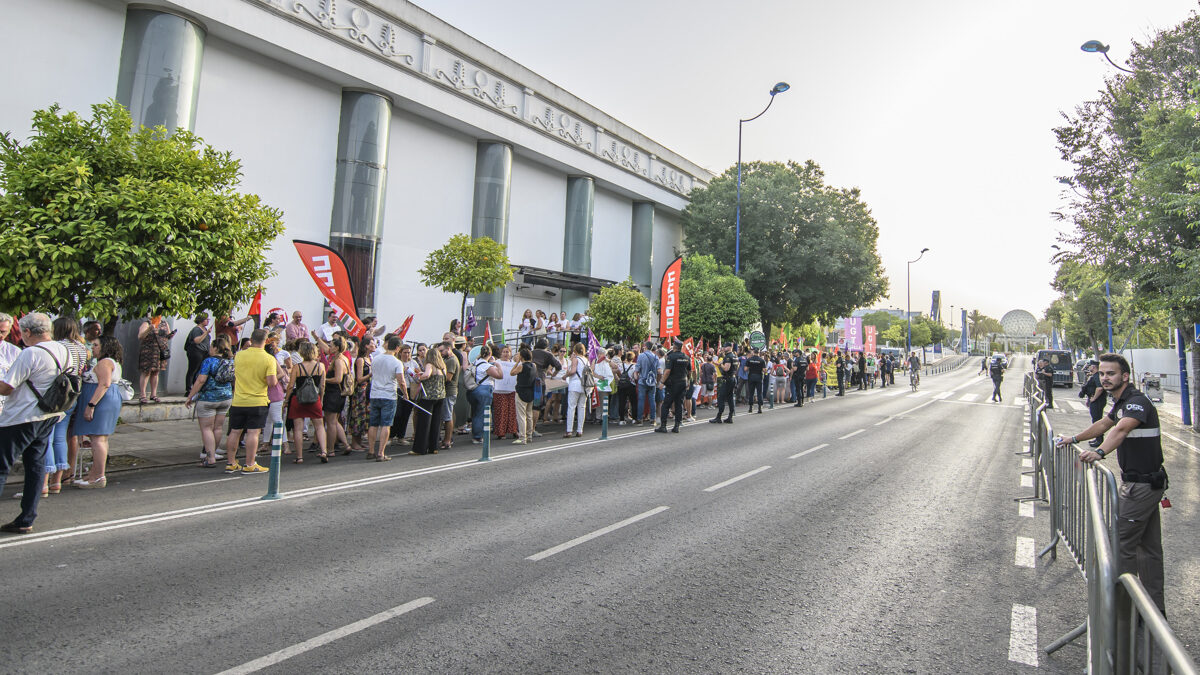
<point x="610" y="236"/>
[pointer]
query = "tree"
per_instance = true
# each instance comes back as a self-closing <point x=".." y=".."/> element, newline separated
<point x="881" y="320"/>
<point x="712" y="302"/>
<point x="467" y="266"/>
<point x="620" y="313"/>
<point x="807" y="249"/>
<point x="101" y="220"/>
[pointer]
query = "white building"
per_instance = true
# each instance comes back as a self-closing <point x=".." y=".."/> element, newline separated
<point x="374" y="127"/>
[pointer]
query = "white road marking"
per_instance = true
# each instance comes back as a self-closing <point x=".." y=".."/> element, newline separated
<point x="1180" y="441"/>
<point x="852" y="433"/>
<point x="1022" y="637"/>
<point x="884" y="421"/>
<point x="919" y="394"/>
<point x="598" y="533"/>
<point x="943" y="395"/>
<point x="1026" y="481"/>
<point x="182" y="485"/>
<point x="1079" y="407"/>
<point x="801" y="454"/>
<point x="1027" y="463"/>
<point x="1025" y="509"/>
<point x="871" y="391"/>
<point x="731" y="481"/>
<point x="1020" y="400"/>
<point x="325" y="638"/>
<point x="899" y="392"/>
<point x="968" y="397"/>
<point x="914" y="408"/>
<point x="1024" y="556"/>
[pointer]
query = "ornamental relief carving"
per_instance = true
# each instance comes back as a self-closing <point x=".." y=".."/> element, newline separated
<point x="353" y="23"/>
<point x="478" y="83"/>
<point x="626" y="156"/>
<point x="567" y="127"/>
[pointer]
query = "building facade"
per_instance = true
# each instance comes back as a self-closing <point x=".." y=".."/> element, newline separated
<point x="379" y="129"/>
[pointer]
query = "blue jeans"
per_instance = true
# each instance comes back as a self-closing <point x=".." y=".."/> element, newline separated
<point x="56" y="446"/>
<point x="812" y="387"/>
<point x="27" y="441"/>
<point x="646" y="404"/>
<point x="481" y="398"/>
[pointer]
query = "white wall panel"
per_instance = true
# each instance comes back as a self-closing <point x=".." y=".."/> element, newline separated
<point x="610" y="236"/>
<point x="537" y="215"/>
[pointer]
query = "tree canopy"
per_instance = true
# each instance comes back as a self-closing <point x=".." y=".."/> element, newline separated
<point x="620" y="313"/>
<point x="467" y="266"/>
<point x="712" y="302"/>
<point x="102" y="220"/>
<point x="807" y="249"/>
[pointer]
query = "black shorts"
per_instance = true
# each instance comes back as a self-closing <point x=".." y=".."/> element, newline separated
<point x="247" y="417"/>
<point x="333" y="401"/>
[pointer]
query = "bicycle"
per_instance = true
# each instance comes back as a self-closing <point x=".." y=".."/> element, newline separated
<point x="914" y="378"/>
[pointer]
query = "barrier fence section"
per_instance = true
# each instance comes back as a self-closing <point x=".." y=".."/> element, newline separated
<point x="1122" y="622"/>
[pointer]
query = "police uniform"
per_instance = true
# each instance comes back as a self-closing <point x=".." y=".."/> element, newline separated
<point x="1143" y="481"/>
<point x="1045" y="378"/>
<point x="997" y="377"/>
<point x="676" y="386"/>
<point x="799" y="372"/>
<point x="754" y="378"/>
<point x="726" y="385"/>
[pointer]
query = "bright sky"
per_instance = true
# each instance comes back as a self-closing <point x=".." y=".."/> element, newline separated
<point x="940" y="112"/>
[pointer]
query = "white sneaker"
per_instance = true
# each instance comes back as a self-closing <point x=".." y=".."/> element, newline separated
<point x="537" y="434"/>
<point x="518" y="442"/>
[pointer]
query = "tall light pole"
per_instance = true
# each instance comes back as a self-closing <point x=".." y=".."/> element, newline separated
<point x="1098" y="47"/>
<point x="908" y="312"/>
<point x="779" y="88"/>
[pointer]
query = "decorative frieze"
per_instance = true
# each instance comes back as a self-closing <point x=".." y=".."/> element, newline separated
<point x="359" y="24"/>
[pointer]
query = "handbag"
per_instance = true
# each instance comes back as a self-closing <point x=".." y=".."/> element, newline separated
<point x="124" y="389"/>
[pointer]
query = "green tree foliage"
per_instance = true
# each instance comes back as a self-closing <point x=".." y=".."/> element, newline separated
<point x="467" y="267"/>
<point x="881" y="320"/>
<point x="807" y="249"/>
<point x="620" y="313"/>
<point x="98" y="219"/>
<point x="712" y="302"/>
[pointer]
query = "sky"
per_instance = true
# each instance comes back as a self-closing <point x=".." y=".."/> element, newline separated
<point x="941" y="113"/>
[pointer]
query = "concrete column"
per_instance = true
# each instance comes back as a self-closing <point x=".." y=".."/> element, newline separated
<point x="159" y="76"/>
<point x="158" y="80"/>
<point x="489" y="218"/>
<point x="641" y="247"/>
<point x="577" y="238"/>
<point x="359" y="189"/>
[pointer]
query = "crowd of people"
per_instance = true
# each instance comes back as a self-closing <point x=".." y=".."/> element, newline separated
<point x="337" y="394"/>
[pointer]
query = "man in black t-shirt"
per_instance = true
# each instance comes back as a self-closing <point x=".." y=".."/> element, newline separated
<point x="196" y="349"/>
<point x="997" y="372"/>
<point x="1132" y="430"/>
<point x="799" y="371"/>
<point x="1096" y="397"/>
<point x="726" y="384"/>
<point x="1045" y="378"/>
<point x="755" y="364"/>
<point x="676" y="369"/>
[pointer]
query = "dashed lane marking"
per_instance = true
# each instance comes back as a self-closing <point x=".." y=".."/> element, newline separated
<point x="1026" y="481"/>
<point x="1022" y="637"/>
<point x="1025" y="509"/>
<point x="598" y="533"/>
<point x="731" y="481"/>
<point x="968" y="397"/>
<point x="1077" y="406"/>
<point x="1180" y="441"/>
<point x="801" y="454"/>
<point x="899" y="392"/>
<point x="1024" y="556"/>
<point x="883" y="421"/>
<point x="943" y="395"/>
<point x="919" y="394"/>
<point x="1027" y="463"/>
<point x="852" y="433"/>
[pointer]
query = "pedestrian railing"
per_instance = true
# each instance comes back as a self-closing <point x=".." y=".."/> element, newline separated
<point x="946" y="365"/>
<point x="1122" y="622"/>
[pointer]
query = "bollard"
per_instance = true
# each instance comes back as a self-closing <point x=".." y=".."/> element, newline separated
<point x="771" y="391"/>
<point x="487" y="434"/>
<point x="276" y="458"/>
<point x="603" y="416"/>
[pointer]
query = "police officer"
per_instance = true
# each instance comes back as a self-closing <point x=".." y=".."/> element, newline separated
<point x="841" y="374"/>
<point x="676" y="370"/>
<point x="1133" y="431"/>
<point x="997" y="372"/>
<point x="799" y="373"/>
<point x="755" y="365"/>
<point x="1045" y="378"/>
<point x="727" y="372"/>
<point x="1096" y="397"/>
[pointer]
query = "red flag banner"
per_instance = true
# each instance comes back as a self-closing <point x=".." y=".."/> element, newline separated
<point x="668" y="319"/>
<point x="487" y="332"/>
<point x="869" y="332"/>
<point x="328" y="271"/>
<point x="256" y="304"/>
<point x="403" y="329"/>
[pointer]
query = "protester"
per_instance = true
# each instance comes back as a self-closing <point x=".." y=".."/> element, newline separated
<point x="525" y="371"/>
<point x="428" y="410"/>
<point x="232" y="330"/>
<point x="195" y="347"/>
<point x="254" y="371"/>
<point x="65" y="330"/>
<point x="411" y="393"/>
<point x="327" y="330"/>
<point x="309" y="373"/>
<point x="646" y="373"/>
<point x="8" y="350"/>
<point x="577" y="366"/>
<point x="483" y="374"/>
<point x="528" y="323"/>
<point x="811" y="373"/>
<point x="154" y="351"/>
<point x="387" y="377"/>
<point x="450" y="358"/>
<point x="504" y="398"/>
<point x="276" y="394"/>
<point x="605" y="385"/>
<point x="359" y="416"/>
<point x="212" y="397"/>
<point x="296" y="330"/>
<point x="338" y="386"/>
<point x="25" y="427"/>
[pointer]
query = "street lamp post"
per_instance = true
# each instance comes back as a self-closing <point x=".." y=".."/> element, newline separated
<point x="908" y="312"/>
<point x="779" y="88"/>
<point x="1098" y="47"/>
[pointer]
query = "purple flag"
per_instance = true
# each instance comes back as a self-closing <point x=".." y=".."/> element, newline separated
<point x="470" y="325"/>
<point x="593" y="346"/>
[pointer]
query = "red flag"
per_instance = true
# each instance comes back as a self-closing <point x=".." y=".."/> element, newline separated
<point x="328" y="270"/>
<point x="487" y="332"/>
<point x="668" y="320"/>
<point x="256" y="304"/>
<point x="403" y="329"/>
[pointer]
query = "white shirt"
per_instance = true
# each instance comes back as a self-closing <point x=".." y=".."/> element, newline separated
<point x="8" y="353"/>
<point x="604" y="371"/>
<point x="526" y="327"/>
<point x="575" y="381"/>
<point x="34" y="365"/>
<point x="384" y="369"/>
<point x="326" y="331"/>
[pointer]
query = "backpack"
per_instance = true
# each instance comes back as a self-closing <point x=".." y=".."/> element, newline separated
<point x="623" y="375"/>
<point x="470" y="377"/>
<point x="62" y="393"/>
<point x="587" y="378"/>
<point x="308" y="393"/>
<point x="225" y="373"/>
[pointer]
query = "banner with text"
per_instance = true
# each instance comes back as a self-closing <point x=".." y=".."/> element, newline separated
<point x="869" y="331"/>
<point x="328" y="270"/>
<point x="854" y="334"/>
<point x="668" y="319"/>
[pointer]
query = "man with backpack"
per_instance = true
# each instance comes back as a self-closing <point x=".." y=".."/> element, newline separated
<point x="996" y="368"/>
<point x="38" y="386"/>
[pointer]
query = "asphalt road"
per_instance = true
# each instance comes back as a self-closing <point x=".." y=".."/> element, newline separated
<point x="871" y="533"/>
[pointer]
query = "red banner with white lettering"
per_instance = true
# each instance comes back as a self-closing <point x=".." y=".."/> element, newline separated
<point x="870" y="335"/>
<point x="668" y="318"/>
<point x="328" y="271"/>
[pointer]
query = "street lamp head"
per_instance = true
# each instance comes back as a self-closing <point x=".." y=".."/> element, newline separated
<point x="1094" y="47"/>
<point x="924" y="250"/>
<point x="780" y="87"/>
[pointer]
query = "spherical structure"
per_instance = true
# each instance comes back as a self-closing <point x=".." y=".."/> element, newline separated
<point x="1019" y="322"/>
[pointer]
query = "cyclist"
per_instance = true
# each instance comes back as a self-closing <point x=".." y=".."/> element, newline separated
<point x="914" y="369"/>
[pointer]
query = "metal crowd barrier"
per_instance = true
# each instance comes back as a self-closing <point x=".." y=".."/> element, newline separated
<point x="942" y="367"/>
<point x="1122" y="621"/>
